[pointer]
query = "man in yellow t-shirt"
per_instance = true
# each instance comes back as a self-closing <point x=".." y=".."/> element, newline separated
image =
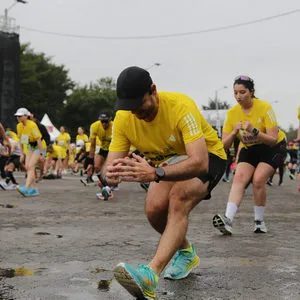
<point x="100" y="131"/>
<point x="168" y="129"/>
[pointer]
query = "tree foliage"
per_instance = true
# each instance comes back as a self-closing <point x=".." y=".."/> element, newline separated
<point x="43" y="84"/>
<point x="85" y="103"/>
<point x="212" y="105"/>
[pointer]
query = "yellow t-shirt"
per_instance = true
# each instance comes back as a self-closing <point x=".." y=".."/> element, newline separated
<point x="97" y="130"/>
<point x="63" y="139"/>
<point x="261" y="116"/>
<point x="58" y="152"/>
<point x="83" y="137"/>
<point x="177" y="123"/>
<point x="13" y="136"/>
<point x="299" y="113"/>
<point x="28" y="133"/>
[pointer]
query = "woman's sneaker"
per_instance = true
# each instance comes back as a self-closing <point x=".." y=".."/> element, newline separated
<point x="260" y="227"/>
<point x="223" y="224"/>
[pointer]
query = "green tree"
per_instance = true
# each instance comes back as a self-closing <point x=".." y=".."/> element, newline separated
<point x="43" y="84"/>
<point x="83" y="106"/>
<point x="212" y="105"/>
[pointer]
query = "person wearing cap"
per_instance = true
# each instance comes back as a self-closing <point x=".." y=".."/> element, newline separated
<point x="189" y="160"/>
<point x="263" y="147"/>
<point x="30" y="139"/>
<point x="102" y="130"/>
<point x="80" y="156"/>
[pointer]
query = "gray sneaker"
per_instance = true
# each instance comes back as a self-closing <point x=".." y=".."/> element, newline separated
<point x="260" y="227"/>
<point x="223" y="224"/>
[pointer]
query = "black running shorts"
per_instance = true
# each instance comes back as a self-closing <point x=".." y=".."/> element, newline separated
<point x="216" y="169"/>
<point x="15" y="159"/>
<point x="103" y="153"/>
<point x="272" y="156"/>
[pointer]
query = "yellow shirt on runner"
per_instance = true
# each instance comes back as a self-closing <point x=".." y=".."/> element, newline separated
<point x="58" y="152"/>
<point x="177" y="123"/>
<point x="299" y="113"/>
<point x="13" y="136"/>
<point x="28" y="133"/>
<point x="83" y="137"/>
<point x="261" y="116"/>
<point x="97" y="130"/>
<point x="63" y="139"/>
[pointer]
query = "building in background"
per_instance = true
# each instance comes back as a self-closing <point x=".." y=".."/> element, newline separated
<point x="9" y="70"/>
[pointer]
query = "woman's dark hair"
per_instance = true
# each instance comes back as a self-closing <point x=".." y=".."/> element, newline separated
<point x="247" y="82"/>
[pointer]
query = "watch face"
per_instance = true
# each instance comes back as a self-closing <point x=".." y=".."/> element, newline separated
<point x="160" y="172"/>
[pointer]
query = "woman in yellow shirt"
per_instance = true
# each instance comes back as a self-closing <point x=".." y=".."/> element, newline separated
<point x="64" y="141"/>
<point x="253" y="121"/>
<point x="30" y="138"/>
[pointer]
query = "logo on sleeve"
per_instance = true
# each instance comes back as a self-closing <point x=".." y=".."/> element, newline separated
<point x="172" y="138"/>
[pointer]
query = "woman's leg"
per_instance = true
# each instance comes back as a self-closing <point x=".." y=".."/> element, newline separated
<point x="31" y="161"/>
<point x="262" y="172"/>
<point x="243" y="174"/>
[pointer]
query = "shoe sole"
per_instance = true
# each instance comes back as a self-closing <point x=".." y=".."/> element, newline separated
<point x="220" y="225"/>
<point x="258" y="230"/>
<point x="2" y="187"/>
<point x="18" y="189"/>
<point x="169" y="276"/>
<point x="128" y="283"/>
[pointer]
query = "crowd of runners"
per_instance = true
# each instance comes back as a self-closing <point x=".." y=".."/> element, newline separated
<point x="161" y="141"/>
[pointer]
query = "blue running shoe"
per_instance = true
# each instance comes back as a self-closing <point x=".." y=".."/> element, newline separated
<point x="22" y="190"/>
<point x="182" y="264"/>
<point x="140" y="282"/>
<point x="32" y="192"/>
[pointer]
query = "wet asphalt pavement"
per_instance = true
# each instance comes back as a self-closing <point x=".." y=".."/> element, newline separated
<point x="68" y="243"/>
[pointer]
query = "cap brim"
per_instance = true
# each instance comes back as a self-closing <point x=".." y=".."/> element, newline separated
<point x="18" y="115"/>
<point x="129" y="104"/>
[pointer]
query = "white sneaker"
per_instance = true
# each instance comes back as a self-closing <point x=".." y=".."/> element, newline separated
<point x="260" y="227"/>
<point x="11" y="187"/>
<point x="3" y="185"/>
<point x="223" y="224"/>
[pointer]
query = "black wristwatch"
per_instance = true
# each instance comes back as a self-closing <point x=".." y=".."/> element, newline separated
<point x="255" y="131"/>
<point x="160" y="174"/>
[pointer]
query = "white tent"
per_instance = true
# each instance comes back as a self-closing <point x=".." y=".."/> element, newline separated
<point x="52" y="130"/>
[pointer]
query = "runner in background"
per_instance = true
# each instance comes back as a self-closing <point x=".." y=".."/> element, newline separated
<point x="30" y="137"/>
<point x="64" y="141"/>
<point x="253" y="121"/>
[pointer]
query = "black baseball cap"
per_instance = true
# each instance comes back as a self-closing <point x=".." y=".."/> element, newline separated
<point x="132" y="84"/>
<point x="104" y="116"/>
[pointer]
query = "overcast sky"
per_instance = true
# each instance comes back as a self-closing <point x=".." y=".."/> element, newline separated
<point x="196" y="65"/>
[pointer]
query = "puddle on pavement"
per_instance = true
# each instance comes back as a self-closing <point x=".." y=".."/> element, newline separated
<point x="42" y="233"/>
<point x="103" y="284"/>
<point x="7" y="205"/>
<point x="9" y="273"/>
